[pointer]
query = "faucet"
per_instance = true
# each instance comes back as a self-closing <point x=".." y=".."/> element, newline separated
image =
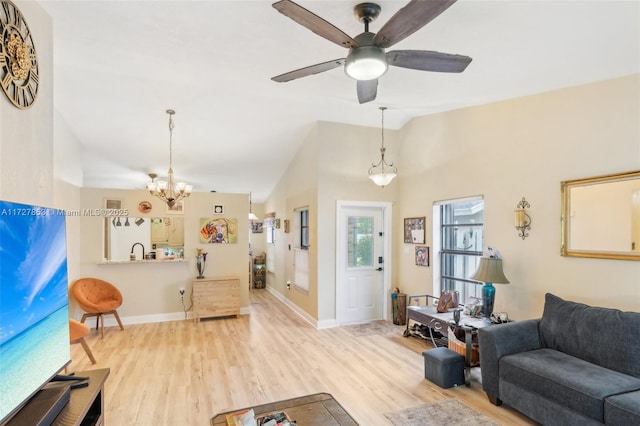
<point x="133" y="246"/>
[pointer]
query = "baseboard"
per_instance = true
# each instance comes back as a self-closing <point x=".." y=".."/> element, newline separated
<point x="110" y="320"/>
<point x="304" y="315"/>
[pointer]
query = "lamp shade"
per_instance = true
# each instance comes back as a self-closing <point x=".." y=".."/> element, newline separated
<point x="490" y="271"/>
<point x="382" y="179"/>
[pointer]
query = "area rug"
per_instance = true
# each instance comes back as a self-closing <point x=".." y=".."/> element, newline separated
<point x="447" y="412"/>
<point x="372" y="328"/>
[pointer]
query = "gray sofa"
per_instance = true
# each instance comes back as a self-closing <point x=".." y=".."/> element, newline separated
<point x="577" y="365"/>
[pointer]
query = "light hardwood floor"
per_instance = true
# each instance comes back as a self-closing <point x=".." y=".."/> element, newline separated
<point x="183" y="373"/>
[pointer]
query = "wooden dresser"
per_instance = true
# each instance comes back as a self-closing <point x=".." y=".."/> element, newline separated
<point x="216" y="297"/>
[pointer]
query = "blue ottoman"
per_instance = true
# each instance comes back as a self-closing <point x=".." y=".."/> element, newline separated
<point x="443" y="367"/>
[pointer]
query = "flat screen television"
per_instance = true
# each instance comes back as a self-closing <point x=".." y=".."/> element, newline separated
<point x="34" y="302"/>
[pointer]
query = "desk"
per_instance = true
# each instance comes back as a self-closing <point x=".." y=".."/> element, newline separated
<point x="440" y="322"/>
<point x="312" y="410"/>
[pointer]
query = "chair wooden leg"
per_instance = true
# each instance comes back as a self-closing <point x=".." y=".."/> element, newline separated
<point x="101" y="320"/>
<point x="87" y="349"/>
<point x="115" y="313"/>
<point x="84" y="317"/>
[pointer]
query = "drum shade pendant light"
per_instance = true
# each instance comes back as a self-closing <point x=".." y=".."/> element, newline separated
<point x="169" y="191"/>
<point x="382" y="173"/>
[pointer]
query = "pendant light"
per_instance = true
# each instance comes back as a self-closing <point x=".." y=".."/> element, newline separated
<point x="382" y="173"/>
<point x="169" y="191"/>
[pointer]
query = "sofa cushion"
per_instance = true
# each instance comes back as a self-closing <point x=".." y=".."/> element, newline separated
<point x="569" y="381"/>
<point x="603" y="336"/>
<point x="623" y="409"/>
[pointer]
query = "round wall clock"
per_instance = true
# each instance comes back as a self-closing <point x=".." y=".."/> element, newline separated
<point x="19" y="76"/>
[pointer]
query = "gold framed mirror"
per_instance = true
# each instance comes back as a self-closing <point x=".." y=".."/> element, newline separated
<point x="601" y="217"/>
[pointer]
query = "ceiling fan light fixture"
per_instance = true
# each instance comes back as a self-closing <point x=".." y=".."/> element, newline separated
<point x="366" y="63"/>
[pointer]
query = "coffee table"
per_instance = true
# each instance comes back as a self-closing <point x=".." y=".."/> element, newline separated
<point x="319" y="409"/>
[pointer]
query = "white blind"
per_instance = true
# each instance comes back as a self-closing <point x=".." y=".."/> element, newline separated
<point x="301" y="267"/>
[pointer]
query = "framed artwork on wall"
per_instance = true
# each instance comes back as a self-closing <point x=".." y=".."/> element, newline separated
<point x="422" y="255"/>
<point x="218" y="230"/>
<point x="414" y="230"/>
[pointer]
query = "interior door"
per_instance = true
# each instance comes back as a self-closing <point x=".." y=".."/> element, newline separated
<point x="360" y="289"/>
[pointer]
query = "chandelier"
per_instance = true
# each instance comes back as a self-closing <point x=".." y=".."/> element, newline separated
<point x="168" y="190"/>
<point x="382" y="173"/>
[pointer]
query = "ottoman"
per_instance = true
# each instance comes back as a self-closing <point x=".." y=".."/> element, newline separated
<point x="443" y="367"/>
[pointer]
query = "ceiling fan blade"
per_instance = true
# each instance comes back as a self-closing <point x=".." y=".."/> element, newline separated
<point x="367" y="90"/>
<point x="310" y="70"/>
<point x="315" y="23"/>
<point x="426" y="60"/>
<point x="415" y="15"/>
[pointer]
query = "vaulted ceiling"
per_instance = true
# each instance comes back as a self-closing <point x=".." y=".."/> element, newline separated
<point x="118" y="65"/>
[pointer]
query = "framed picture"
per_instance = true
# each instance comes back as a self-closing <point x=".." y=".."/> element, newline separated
<point x="256" y="227"/>
<point x="218" y="209"/>
<point x="177" y="208"/>
<point x="219" y="230"/>
<point x="422" y="255"/>
<point x="414" y="230"/>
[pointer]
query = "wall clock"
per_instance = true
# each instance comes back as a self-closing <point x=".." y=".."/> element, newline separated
<point x="19" y="76"/>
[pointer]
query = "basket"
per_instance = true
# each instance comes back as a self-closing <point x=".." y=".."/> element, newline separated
<point x="461" y="347"/>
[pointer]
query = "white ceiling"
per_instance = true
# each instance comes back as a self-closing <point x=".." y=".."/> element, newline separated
<point x="118" y="65"/>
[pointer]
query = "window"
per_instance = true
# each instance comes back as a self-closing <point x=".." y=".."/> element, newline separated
<point x="301" y="252"/>
<point x="270" y="229"/>
<point x="460" y="240"/>
<point x="304" y="228"/>
<point x="360" y="241"/>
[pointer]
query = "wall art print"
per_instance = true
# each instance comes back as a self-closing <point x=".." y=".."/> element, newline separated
<point x="414" y="230"/>
<point x="219" y="230"/>
<point x="422" y="255"/>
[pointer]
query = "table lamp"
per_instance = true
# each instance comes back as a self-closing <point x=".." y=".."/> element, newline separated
<point x="489" y="271"/>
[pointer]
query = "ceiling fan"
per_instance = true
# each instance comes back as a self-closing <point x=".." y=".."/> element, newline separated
<point x="367" y="59"/>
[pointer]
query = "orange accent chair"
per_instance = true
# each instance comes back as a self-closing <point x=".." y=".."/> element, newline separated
<point x="77" y="331"/>
<point x="97" y="298"/>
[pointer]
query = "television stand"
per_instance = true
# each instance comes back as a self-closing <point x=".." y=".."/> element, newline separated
<point x="85" y="407"/>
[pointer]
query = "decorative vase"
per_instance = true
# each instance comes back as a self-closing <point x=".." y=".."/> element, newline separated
<point x="488" y="296"/>
<point x="201" y="264"/>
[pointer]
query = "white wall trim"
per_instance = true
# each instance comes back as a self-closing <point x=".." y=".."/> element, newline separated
<point x="305" y="316"/>
<point x="110" y="320"/>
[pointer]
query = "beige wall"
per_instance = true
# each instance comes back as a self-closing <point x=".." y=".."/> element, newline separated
<point x="26" y="136"/>
<point x="502" y="151"/>
<point x="525" y="147"/>
<point x="150" y="290"/>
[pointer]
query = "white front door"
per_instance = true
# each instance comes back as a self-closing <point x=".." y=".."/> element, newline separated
<point x="360" y="276"/>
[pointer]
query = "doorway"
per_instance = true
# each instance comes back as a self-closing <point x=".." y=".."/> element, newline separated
<point x="363" y="261"/>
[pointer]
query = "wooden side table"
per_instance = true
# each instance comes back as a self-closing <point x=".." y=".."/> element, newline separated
<point x="216" y="297"/>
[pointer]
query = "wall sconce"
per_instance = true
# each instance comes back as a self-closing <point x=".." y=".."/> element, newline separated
<point x="523" y="220"/>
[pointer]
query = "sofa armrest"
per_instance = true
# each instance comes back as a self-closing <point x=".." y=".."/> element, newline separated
<point x="497" y="341"/>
